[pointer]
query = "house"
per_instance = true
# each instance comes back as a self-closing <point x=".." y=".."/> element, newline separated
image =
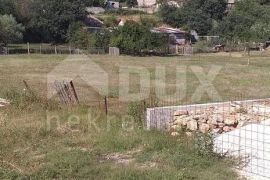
<point x="113" y="4"/>
<point x="154" y="3"/>
<point x="92" y="21"/>
<point x="146" y="3"/>
<point x="95" y="10"/>
<point x="176" y="36"/>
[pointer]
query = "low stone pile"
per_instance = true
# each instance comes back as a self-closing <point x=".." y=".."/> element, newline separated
<point x="4" y="102"/>
<point x="215" y="119"/>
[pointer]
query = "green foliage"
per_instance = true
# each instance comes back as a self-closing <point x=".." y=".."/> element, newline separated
<point x="197" y="15"/>
<point x="6" y="7"/>
<point x="103" y="39"/>
<point x="111" y="21"/>
<point x="137" y="39"/>
<point x="149" y="21"/>
<point x="80" y="37"/>
<point x="10" y="30"/>
<point x="204" y="145"/>
<point x="136" y="111"/>
<point x="248" y="21"/>
<point x="52" y="18"/>
<point x="131" y="3"/>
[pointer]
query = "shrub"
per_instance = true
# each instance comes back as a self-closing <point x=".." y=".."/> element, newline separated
<point x="136" y="110"/>
<point x="79" y="36"/>
<point x="10" y="30"/>
<point x="136" y="39"/>
<point x="111" y="21"/>
<point x="149" y="21"/>
<point x="204" y="144"/>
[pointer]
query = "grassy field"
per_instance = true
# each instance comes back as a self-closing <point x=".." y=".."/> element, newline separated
<point x="32" y="147"/>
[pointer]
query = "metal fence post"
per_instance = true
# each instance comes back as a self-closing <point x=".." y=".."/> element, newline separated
<point x="106" y="105"/>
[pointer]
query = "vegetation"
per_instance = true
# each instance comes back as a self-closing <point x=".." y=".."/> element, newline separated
<point x="196" y="14"/>
<point x="10" y="30"/>
<point x="136" y="39"/>
<point x="76" y="149"/>
<point x="247" y="21"/>
<point x="79" y="36"/>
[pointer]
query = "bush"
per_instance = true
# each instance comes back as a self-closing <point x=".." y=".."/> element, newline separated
<point x="136" y="39"/>
<point x="10" y="30"/>
<point x="149" y="21"/>
<point x="79" y="36"/>
<point x="111" y="21"/>
<point x="203" y="47"/>
<point x="204" y="145"/>
<point x="136" y="110"/>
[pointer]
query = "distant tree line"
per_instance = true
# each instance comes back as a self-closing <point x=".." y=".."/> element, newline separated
<point x="249" y="20"/>
<point x="62" y="21"/>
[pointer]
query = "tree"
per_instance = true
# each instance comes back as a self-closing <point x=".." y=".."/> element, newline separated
<point x="197" y="15"/>
<point x="6" y="7"/>
<point x="51" y="19"/>
<point x="79" y="36"/>
<point x="137" y="39"/>
<point x="10" y="30"/>
<point x="248" y="21"/>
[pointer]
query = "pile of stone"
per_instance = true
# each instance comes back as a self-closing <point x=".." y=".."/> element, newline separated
<point x="4" y="102"/>
<point x="217" y="119"/>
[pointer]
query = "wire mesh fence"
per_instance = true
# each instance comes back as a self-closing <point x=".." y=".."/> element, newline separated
<point x="51" y="49"/>
<point x="240" y="128"/>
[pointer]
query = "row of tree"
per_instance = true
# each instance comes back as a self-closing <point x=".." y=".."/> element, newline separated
<point x="132" y="38"/>
<point x="249" y="20"/>
<point x="46" y="21"/>
<point x="62" y="21"/>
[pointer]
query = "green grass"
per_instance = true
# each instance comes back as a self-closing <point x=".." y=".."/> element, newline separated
<point x="76" y="149"/>
<point x="30" y="150"/>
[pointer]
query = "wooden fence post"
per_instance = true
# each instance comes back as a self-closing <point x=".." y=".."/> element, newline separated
<point x="28" y="48"/>
<point x="69" y="49"/>
<point x="55" y="50"/>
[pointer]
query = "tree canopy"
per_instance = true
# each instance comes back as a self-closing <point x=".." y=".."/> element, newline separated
<point x="10" y="30"/>
<point x="248" y="21"/>
<point x="198" y="15"/>
<point x="134" y="38"/>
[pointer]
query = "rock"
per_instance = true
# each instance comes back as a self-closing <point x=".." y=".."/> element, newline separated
<point x="217" y="130"/>
<point x="217" y="118"/>
<point x="175" y="134"/>
<point x="204" y="128"/>
<point x="212" y="121"/>
<point x="185" y="121"/>
<point x="221" y="125"/>
<point x="192" y="125"/>
<point x="176" y="127"/>
<point x="226" y="129"/>
<point x="196" y="117"/>
<point x="232" y="128"/>
<point x="189" y="134"/>
<point x="178" y="120"/>
<point x="241" y="124"/>
<point x="202" y="121"/>
<point x="180" y="113"/>
<point x="231" y="120"/>
<point x="4" y="102"/>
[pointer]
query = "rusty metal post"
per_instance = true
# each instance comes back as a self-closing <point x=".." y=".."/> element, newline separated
<point x="74" y="92"/>
<point x="106" y="105"/>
